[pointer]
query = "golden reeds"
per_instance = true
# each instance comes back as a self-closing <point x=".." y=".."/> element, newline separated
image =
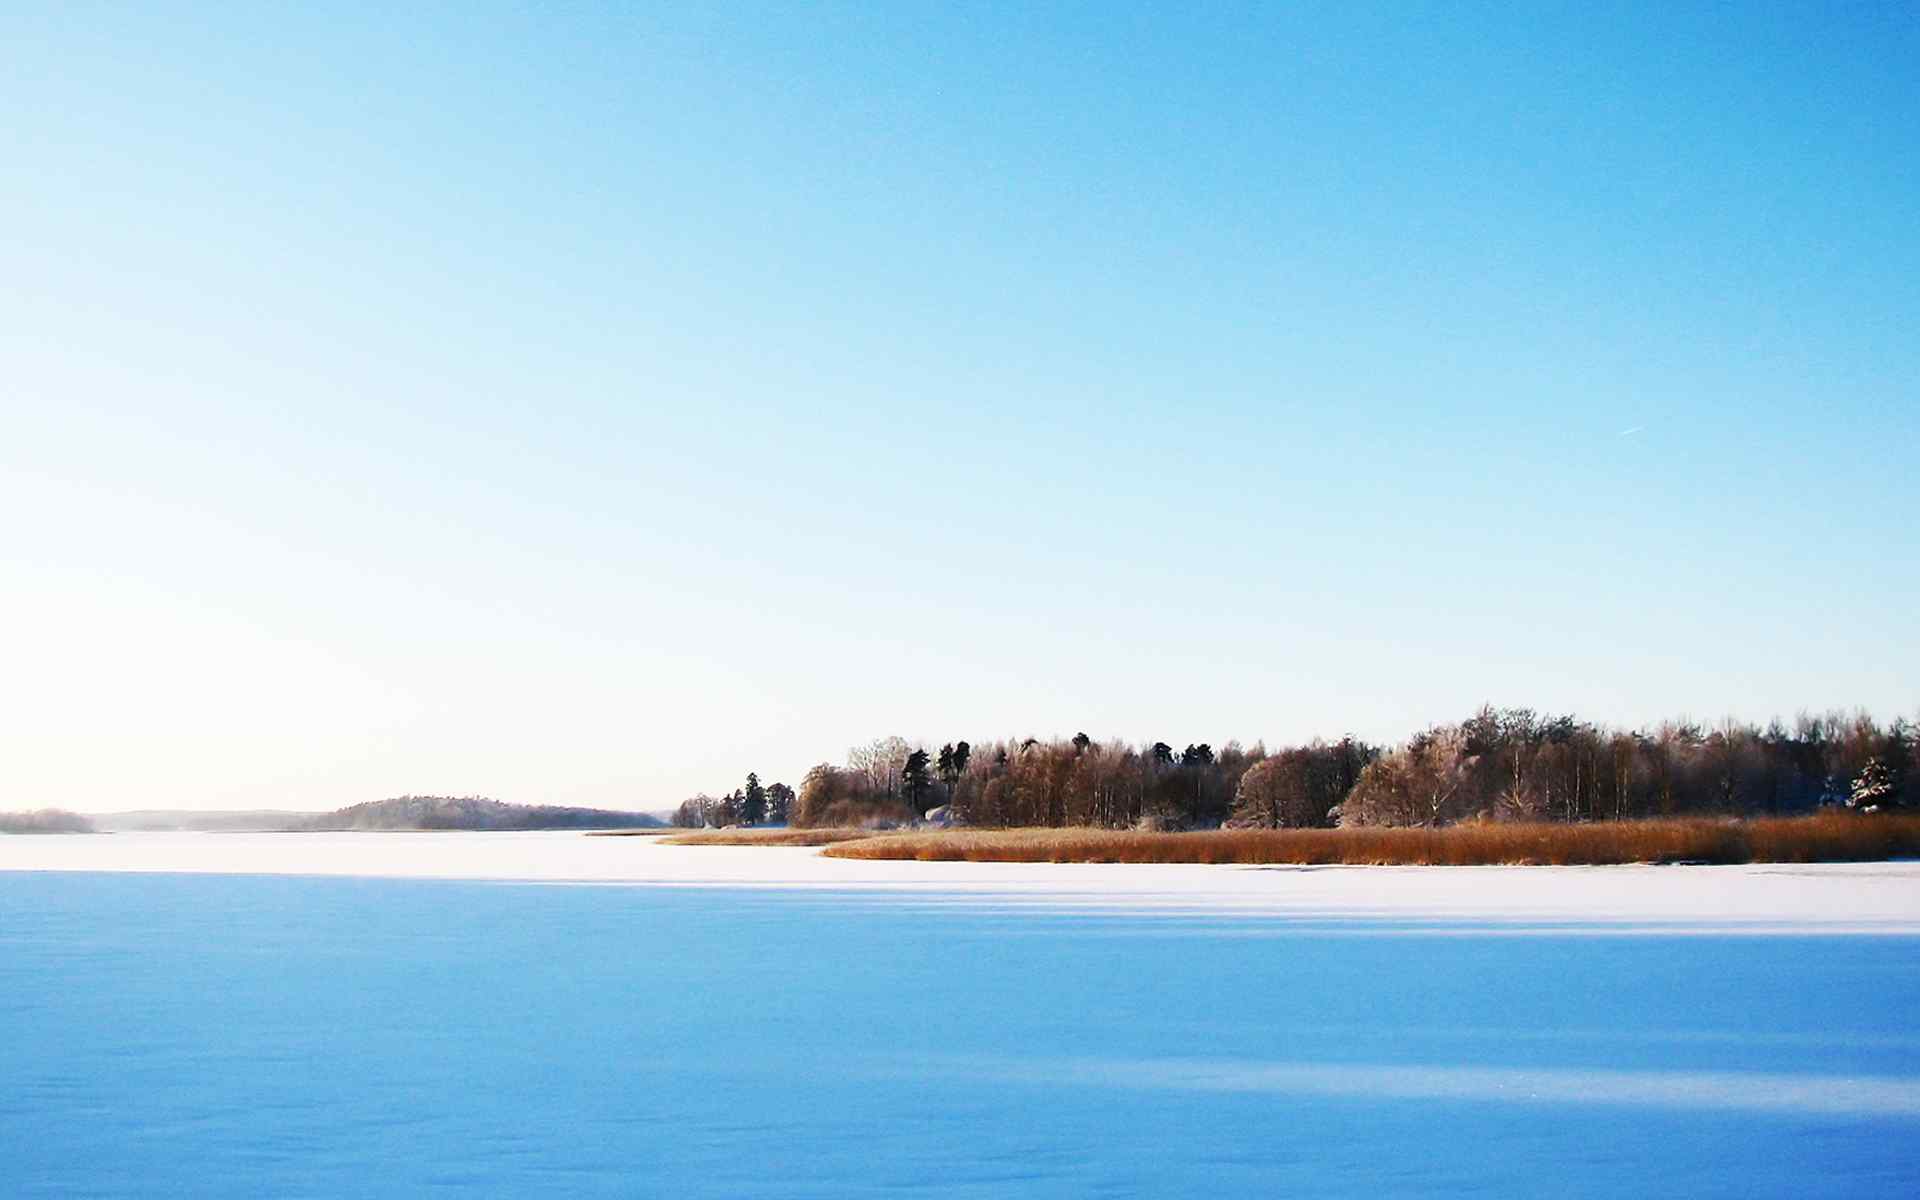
<point x="1826" y="837"/>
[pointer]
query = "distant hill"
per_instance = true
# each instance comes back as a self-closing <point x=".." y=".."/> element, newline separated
<point x="472" y="812"/>
<point x="162" y="820"/>
<point x="46" y="820"/>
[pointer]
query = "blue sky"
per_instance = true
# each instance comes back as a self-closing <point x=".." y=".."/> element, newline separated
<point x="590" y="404"/>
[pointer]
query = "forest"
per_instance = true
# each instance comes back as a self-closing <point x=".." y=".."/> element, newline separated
<point x="1500" y="764"/>
<point x="467" y="812"/>
<point x="45" y="820"/>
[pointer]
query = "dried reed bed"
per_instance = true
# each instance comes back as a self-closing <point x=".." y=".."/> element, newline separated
<point x="765" y="837"/>
<point x="1830" y="837"/>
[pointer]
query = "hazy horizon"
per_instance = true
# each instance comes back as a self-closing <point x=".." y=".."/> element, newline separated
<point x="590" y="406"/>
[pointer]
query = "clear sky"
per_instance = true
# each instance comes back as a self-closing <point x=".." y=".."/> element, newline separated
<point x="588" y="404"/>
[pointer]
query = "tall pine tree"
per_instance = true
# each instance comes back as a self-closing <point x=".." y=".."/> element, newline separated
<point x="916" y="780"/>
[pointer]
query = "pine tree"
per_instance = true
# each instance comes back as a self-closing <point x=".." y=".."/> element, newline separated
<point x="779" y="803"/>
<point x="915" y="779"/>
<point x="1873" y="788"/>
<point x="753" y="801"/>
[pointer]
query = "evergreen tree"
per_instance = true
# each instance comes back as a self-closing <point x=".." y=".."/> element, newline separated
<point x="753" y="801"/>
<point x="1873" y="788"/>
<point x="916" y="781"/>
<point x="1198" y="762"/>
<point x="779" y="803"/>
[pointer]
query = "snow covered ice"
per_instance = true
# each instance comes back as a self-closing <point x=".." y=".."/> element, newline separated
<point x="401" y="1015"/>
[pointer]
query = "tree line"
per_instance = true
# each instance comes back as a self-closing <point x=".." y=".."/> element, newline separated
<point x="749" y="805"/>
<point x="1507" y="764"/>
<point x="1073" y="781"/>
<point x="45" y="820"/>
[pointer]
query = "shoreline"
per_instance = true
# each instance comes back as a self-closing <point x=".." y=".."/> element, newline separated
<point x="1865" y="898"/>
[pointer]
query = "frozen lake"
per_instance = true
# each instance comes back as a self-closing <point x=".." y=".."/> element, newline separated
<point x="292" y="1016"/>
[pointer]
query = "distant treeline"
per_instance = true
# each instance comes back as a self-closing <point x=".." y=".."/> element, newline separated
<point x="159" y="820"/>
<point x="1511" y="764"/>
<point x="45" y="820"/>
<point x="470" y="812"/>
<point x="749" y="805"/>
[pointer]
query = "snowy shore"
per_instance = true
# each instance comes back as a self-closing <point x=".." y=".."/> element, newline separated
<point x="1825" y="898"/>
